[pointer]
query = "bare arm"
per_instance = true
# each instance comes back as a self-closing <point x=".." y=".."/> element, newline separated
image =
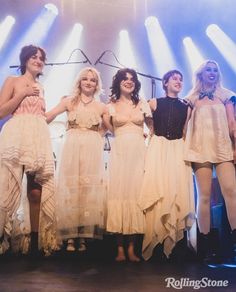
<point x="107" y="120"/>
<point x="11" y="96"/>
<point x="153" y="104"/>
<point x="231" y="120"/>
<point x="102" y="129"/>
<point x="232" y="125"/>
<point x="186" y="122"/>
<point x="58" y="109"/>
<point x="149" y="121"/>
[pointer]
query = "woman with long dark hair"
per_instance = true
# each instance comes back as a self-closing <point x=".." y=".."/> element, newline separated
<point x="125" y="118"/>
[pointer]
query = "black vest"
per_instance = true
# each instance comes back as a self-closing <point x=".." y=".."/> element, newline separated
<point x="169" y="117"/>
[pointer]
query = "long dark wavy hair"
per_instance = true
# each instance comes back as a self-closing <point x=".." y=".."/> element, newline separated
<point x="120" y="76"/>
<point x="26" y="53"/>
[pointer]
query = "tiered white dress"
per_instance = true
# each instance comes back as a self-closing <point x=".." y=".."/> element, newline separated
<point x="126" y="169"/>
<point x="167" y="194"/>
<point x="25" y="146"/>
<point x="80" y="187"/>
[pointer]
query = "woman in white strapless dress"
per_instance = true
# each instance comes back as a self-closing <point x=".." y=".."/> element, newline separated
<point x="25" y="148"/>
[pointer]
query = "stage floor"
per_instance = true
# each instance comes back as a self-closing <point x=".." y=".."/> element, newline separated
<point x="63" y="272"/>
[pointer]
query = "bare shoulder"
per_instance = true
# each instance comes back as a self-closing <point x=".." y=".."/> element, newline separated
<point x="67" y="102"/>
<point x="153" y="103"/>
<point x="100" y="106"/>
<point x="11" y="80"/>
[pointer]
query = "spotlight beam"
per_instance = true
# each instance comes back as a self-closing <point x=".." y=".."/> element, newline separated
<point x="223" y="43"/>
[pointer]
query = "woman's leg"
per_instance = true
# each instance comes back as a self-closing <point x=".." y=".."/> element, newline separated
<point x="82" y="244"/>
<point x="203" y="173"/>
<point x="34" y="191"/>
<point x="227" y="180"/>
<point x="70" y="245"/>
<point x="131" y="248"/>
<point x="120" y="248"/>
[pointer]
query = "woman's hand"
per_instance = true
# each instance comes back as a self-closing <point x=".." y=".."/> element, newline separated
<point x="32" y="90"/>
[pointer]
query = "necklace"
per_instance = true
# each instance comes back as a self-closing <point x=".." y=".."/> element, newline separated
<point x="86" y="102"/>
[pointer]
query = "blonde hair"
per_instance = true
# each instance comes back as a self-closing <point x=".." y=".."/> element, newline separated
<point x="198" y="81"/>
<point x="77" y="86"/>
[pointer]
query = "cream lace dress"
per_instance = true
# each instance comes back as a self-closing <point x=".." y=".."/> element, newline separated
<point x="80" y="188"/>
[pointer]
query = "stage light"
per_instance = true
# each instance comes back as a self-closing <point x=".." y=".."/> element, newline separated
<point x="233" y="265"/>
<point x="161" y="53"/>
<point x="39" y="29"/>
<point x="194" y="56"/>
<point x="151" y="20"/>
<point x="52" y="8"/>
<point x="126" y="53"/>
<point x="56" y="85"/>
<point x="223" y="43"/>
<point x="5" y="28"/>
<point x="36" y="34"/>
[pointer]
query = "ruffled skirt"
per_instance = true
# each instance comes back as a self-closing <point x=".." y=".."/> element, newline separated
<point x="25" y="146"/>
<point x="126" y="169"/>
<point x="167" y="195"/>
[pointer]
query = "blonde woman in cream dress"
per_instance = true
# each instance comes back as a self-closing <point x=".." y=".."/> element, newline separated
<point x="210" y="142"/>
<point x="125" y="116"/>
<point x="80" y="189"/>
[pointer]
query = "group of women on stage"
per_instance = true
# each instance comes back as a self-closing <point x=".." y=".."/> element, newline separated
<point x="149" y="190"/>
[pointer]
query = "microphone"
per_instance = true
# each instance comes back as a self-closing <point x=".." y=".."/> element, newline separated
<point x="87" y="59"/>
<point x="14" y="66"/>
<point x="98" y="60"/>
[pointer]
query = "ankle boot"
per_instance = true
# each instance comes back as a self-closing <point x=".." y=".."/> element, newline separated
<point x="208" y="248"/>
<point x="202" y="245"/>
<point x="233" y="237"/>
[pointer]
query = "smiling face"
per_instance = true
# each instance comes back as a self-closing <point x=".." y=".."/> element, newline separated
<point x="35" y="63"/>
<point x="210" y="74"/>
<point x="88" y="83"/>
<point x="32" y="59"/>
<point x="127" y="85"/>
<point x="174" y="85"/>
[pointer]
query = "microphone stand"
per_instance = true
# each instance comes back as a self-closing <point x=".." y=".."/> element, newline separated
<point x="64" y="63"/>
<point x="153" y="78"/>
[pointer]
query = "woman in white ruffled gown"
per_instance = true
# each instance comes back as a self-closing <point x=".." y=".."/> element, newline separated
<point x="80" y="188"/>
<point x="125" y="117"/>
<point x="25" y="148"/>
